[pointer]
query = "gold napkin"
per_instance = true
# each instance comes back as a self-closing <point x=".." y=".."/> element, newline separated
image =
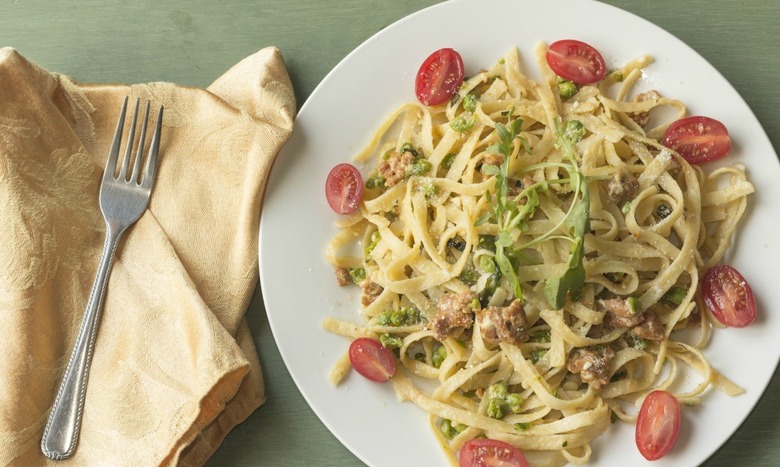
<point x="175" y="367"/>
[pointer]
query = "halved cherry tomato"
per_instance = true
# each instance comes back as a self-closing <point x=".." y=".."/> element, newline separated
<point x="485" y="452"/>
<point x="698" y="139"/>
<point x="657" y="425"/>
<point x="344" y="188"/>
<point x="439" y="77"/>
<point x="371" y="359"/>
<point x="576" y="61"/>
<point x="728" y="296"/>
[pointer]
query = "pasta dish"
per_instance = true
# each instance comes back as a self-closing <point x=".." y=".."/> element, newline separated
<point x="531" y="254"/>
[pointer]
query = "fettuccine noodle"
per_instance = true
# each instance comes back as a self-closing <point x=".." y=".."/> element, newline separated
<point x="545" y="379"/>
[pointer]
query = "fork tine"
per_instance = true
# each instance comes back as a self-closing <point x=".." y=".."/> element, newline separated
<point x="113" y="153"/>
<point x="135" y="176"/>
<point x="129" y="149"/>
<point x="151" y="162"/>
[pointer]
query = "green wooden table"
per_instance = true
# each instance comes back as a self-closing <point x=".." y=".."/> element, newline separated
<point x="193" y="42"/>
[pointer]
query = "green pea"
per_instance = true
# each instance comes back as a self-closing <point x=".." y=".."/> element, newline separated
<point x="384" y="318"/>
<point x="397" y="318"/>
<point x="495" y="408"/>
<point x="391" y="342"/>
<point x="420" y="167"/>
<point x="407" y="147"/>
<point x="470" y="103"/>
<point x="358" y="275"/>
<point x="430" y="189"/>
<point x="566" y="88"/>
<point x="514" y="401"/>
<point x="446" y="429"/>
<point x="377" y="182"/>
<point x="449" y="430"/>
<point x="499" y="389"/>
<point x="463" y="122"/>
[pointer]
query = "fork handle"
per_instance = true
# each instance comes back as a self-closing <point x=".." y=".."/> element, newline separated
<point x="61" y="434"/>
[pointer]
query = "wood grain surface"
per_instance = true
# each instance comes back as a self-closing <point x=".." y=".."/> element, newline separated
<point x="193" y="42"/>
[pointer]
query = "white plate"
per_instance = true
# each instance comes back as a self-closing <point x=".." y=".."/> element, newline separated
<point x="299" y="288"/>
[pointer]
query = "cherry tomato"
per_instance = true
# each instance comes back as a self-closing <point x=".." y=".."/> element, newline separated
<point x="576" y="61"/>
<point x="698" y="139"/>
<point x="344" y="188"/>
<point x="728" y="296"/>
<point x="371" y="359"/>
<point x="657" y="425"/>
<point x="439" y="77"/>
<point x="485" y="452"/>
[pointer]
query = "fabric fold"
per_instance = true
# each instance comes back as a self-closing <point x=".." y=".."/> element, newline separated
<point x="175" y="367"/>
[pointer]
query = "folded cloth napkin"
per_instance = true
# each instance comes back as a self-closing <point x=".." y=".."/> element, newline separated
<point x="175" y="367"/>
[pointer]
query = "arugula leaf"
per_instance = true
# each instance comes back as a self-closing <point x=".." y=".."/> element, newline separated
<point x="557" y="288"/>
<point x="577" y="221"/>
<point x="505" y="211"/>
<point x="493" y="170"/>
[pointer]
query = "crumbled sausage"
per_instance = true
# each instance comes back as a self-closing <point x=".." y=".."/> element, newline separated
<point x="342" y="277"/>
<point x="515" y="186"/>
<point x="503" y="323"/>
<point x="651" y="328"/>
<point x="393" y="169"/>
<point x="592" y="364"/>
<point x="453" y="314"/>
<point x="371" y="290"/>
<point x="642" y="118"/>
<point x="622" y="187"/>
<point x="619" y="315"/>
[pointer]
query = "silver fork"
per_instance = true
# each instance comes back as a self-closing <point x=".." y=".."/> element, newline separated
<point x="122" y="202"/>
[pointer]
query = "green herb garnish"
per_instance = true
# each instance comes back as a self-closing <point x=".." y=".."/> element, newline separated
<point x="577" y="219"/>
<point x="507" y="213"/>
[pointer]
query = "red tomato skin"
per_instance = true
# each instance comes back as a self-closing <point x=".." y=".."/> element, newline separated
<point x="659" y="408"/>
<point x="486" y="452"/>
<point x="576" y="61"/>
<point x="439" y="77"/>
<point x="371" y="359"/>
<point x="728" y="296"/>
<point x="344" y="188"/>
<point x="698" y="139"/>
